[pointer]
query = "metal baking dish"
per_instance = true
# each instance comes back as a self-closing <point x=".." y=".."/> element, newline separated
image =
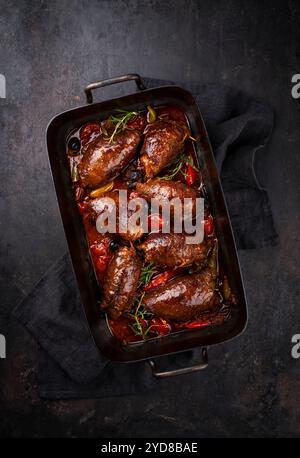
<point x="109" y="346"/>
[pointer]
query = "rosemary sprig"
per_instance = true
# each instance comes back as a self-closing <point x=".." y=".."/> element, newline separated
<point x="147" y="273"/>
<point x="139" y="316"/>
<point x="120" y="122"/>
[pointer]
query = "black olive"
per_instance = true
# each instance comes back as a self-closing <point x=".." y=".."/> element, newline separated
<point x="135" y="175"/>
<point x="113" y="245"/>
<point x="74" y="144"/>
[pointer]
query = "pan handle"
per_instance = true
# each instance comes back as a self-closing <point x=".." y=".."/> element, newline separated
<point x="118" y="79"/>
<point x="184" y="370"/>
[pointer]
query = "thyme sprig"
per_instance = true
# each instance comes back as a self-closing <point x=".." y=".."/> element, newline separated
<point x="190" y="161"/>
<point x="178" y="166"/>
<point x="147" y="273"/>
<point x="140" y="315"/>
<point x="120" y="122"/>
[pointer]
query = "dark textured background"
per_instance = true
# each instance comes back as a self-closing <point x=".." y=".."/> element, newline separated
<point x="49" y="51"/>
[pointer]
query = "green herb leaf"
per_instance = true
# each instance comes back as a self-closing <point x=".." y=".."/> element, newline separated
<point x="121" y="122"/>
<point x="181" y="161"/>
<point x="140" y="314"/>
<point x="178" y="165"/>
<point x="147" y="273"/>
<point x="190" y="161"/>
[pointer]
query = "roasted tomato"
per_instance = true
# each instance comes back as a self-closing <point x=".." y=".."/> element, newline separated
<point x="82" y="207"/>
<point x="101" y="263"/>
<point x="138" y="122"/>
<point x="99" y="249"/>
<point x="209" y="225"/>
<point x="159" y="279"/>
<point x="197" y="324"/>
<point x="191" y="175"/>
<point x="89" y="130"/>
<point x="159" y="326"/>
<point x="101" y="254"/>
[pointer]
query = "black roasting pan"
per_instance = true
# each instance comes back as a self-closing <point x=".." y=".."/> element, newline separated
<point x="108" y="345"/>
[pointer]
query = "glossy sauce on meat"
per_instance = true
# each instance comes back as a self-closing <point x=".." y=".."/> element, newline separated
<point x="163" y="141"/>
<point x="121" y="281"/>
<point x="103" y="161"/>
<point x="184" y="298"/>
<point x="171" y="250"/>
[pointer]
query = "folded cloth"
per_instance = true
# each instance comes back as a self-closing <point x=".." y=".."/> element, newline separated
<point x="70" y="365"/>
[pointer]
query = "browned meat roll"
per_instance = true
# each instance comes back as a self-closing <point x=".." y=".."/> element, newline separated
<point x="103" y="161"/>
<point x="183" y="298"/>
<point x="171" y="250"/>
<point x="164" y="190"/>
<point x="163" y="140"/>
<point x="121" y="281"/>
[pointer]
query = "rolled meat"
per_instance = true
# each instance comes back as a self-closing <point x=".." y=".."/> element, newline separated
<point x="121" y="281"/>
<point x="102" y="160"/>
<point x="172" y="250"/>
<point x="163" y="190"/>
<point x="187" y="297"/>
<point x="163" y="141"/>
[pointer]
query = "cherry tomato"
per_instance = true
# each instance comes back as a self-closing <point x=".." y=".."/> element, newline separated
<point x="102" y="263"/>
<point x="99" y="239"/>
<point x="88" y="130"/>
<point x="138" y="122"/>
<point x="191" y="175"/>
<point x="209" y="225"/>
<point x="159" y="326"/>
<point x="155" y="220"/>
<point x="173" y="112"/>
<point x="98" y="249"/>
<point x="197" y="324"/>
<point x="159" y="279"/>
